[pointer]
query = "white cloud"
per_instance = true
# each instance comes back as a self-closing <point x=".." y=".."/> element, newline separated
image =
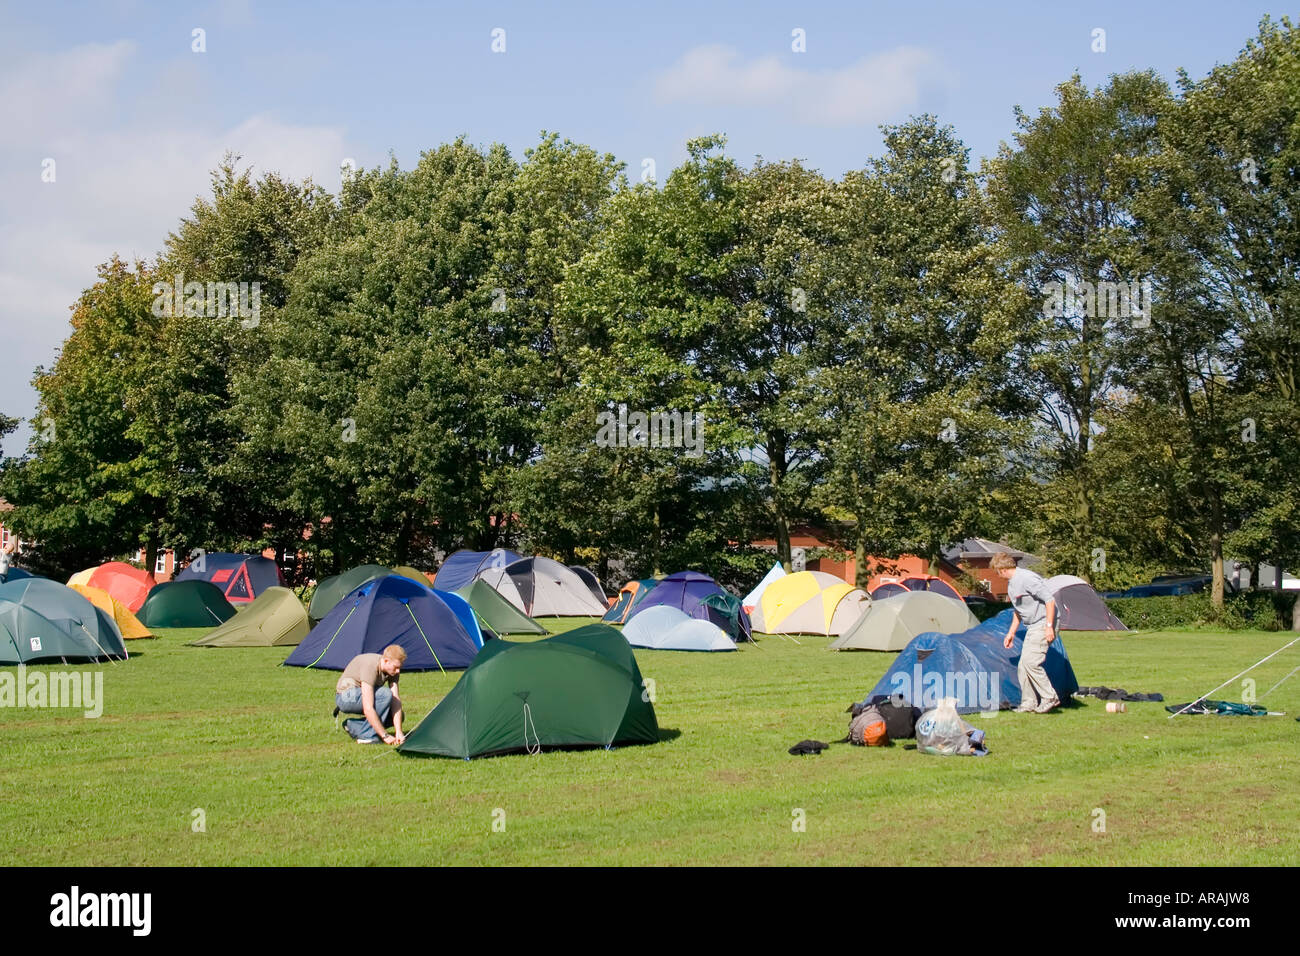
<point x="872" y="90"/>
<point x="121" y="186"/>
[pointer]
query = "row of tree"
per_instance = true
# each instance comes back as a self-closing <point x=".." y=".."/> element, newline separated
<point x="1090" y="344"/>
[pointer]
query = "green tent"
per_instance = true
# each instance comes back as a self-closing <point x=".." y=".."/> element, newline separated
<point x="276" y="617"/>
<point x="496" y="612"/>
<point x="415" y="574"/>
<point x="191" y="603"/>
<point x="577" y="689"/>
<point x="44" y="620"/>
<point x="333" y="589"/>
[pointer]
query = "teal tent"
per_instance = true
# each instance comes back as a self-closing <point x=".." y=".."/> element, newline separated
<point x="44" y="620"/>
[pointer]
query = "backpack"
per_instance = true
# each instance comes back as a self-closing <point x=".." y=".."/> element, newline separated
<point x="900" y="717"/>
<point x="868" y="728"/>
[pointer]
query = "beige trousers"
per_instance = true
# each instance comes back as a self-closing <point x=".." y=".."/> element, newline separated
<point x="1035" y="688"/>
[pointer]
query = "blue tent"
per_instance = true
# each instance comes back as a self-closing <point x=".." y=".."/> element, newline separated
<point x="241" y="577"/>
<point x="972" y="666"/>
<point x="462" y="567"/>
<point x="438" y="629"/>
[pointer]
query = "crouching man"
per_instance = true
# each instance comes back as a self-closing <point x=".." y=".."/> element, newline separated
<point x="369" y="687"/>
<point x="1034" y="606"/>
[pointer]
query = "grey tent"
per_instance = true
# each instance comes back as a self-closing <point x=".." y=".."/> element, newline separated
<point x="890" y="623"/>
<point x="592" y="582"/>
<point x="1079" y="607"/>
<point x="541" y="587"/>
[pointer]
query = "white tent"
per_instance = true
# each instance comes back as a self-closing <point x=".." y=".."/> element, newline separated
<point x="541" y="587"/>
<point x="752" y="598"/>
<point x="666" y="628"/>
<point x="890" y="623"/>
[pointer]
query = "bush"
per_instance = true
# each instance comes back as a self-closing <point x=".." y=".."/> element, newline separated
<point x="1259" y="610"/>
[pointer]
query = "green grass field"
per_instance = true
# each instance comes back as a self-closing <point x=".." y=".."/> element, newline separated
<point x="252" y="746"/>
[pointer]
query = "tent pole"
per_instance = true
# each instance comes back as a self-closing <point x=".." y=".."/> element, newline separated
<point x="1279" y="684"/>
<point x="1231" y="679"/>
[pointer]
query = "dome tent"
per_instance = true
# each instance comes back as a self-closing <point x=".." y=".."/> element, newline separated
<point x="893" y="621"/>
<point x="541" y="587"/>
<point x="891" y="587"/>
<point x="329" y="591"/>
<point x="437" y="629"/>
<point x="1079" y="607"/>
<point x="686" y="591"/>
<point x="496" y="612"/>
<point x="125" y="583"/>
<point x="578" y="689"/>
<point x="629" y="596"/>
<point x="972" y="666"/>
<point x="277" y="618"/>
<point x="593" y="583"/>
<point x="809" y="602"/>
<point x="127" y="623"/>
<point x="241" y="577"/>
<point x="665" y="628"/>
<point x="462" y="567"/>
<point x="43" y="620"/>
<point x="186" y="604"/>
<point x="750" y="600"/>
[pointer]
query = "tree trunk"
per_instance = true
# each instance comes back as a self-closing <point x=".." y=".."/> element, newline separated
<point x="861" y="576"/>
<point x="783" y="543"/>
<point x="151" y="553"/>
<point x="654" y="545"/>
<point x="776" y="466"/>
<point x="1295" y="614"/>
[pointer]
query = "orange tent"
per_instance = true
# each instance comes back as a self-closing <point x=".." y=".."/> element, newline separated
<point x="127" y="584"/>
<point x="127" y="622"/>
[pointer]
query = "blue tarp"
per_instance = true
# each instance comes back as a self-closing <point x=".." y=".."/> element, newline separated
<point x="462" y="567"/>
<point x="436" y="628"/>
<point x="972" y="666"/>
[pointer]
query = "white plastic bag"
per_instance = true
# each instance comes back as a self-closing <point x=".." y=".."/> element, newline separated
<point x="942" y="731"/>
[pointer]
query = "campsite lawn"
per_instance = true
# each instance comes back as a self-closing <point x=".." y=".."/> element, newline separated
<point x="252" y="746"/>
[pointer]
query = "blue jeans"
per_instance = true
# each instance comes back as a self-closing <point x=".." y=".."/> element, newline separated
<point x="349" y="702"/>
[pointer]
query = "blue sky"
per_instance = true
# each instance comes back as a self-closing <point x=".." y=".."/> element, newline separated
<point x="135" y="119"/>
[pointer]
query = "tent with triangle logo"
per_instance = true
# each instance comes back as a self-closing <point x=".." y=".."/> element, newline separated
<point x="241" y="577"/>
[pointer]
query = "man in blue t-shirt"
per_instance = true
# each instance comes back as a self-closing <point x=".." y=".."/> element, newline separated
<point x="1034" y="605"/>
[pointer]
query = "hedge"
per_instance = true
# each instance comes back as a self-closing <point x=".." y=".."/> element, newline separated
<point x="1258" y="610"/>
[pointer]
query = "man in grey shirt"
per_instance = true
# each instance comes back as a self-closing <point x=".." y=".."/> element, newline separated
<point x="1032" y="603"/>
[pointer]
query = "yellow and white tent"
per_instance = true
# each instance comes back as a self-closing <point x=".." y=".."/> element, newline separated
<point x="809" y="602"/>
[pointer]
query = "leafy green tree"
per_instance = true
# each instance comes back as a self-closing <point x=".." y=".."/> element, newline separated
<point x="917" y="391"/>
<point x="87" y="489"/>
<point x="1062" y="199"/>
